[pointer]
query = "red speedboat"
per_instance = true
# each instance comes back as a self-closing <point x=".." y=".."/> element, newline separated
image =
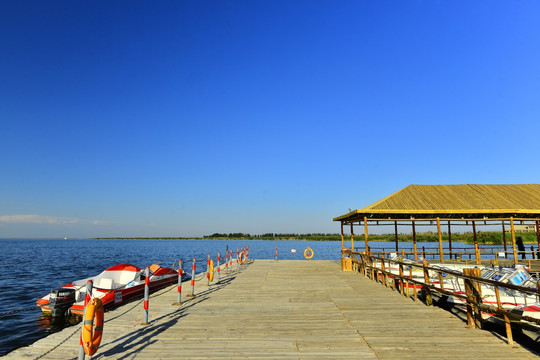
<point x="114" y="286"/>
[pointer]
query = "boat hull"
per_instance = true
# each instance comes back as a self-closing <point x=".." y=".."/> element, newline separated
<point x="115" y="286"/>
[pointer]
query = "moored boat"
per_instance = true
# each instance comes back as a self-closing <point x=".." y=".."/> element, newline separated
<point x="524" y="303"/>
<point x="114" y="286"/>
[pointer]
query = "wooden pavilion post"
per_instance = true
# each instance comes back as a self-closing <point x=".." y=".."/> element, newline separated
<point x="352" y="238"/>
<point x="476" y="250"/>
<point x="513" y="238"/>
<point x="342" y="238"/>
<point x="397" y="246"/>
<point x="414" y="241"/>
<point x="504" y="241"/>
<point x="441" y="255"/>
<point x="366" y="235"/>
<point x="538" y="237"/>
<point x="449" y="239"/>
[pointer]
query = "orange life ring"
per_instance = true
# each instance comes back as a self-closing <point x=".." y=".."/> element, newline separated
<point x="92" y="326"/>
<point x="308" y="253"/>
<point x="242" y="258"/>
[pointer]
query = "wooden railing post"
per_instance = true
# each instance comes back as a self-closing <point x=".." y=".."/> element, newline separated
<point x="365" y="265"/>
<point x="383" y="268"/>
<point x="427" y="282"/>
<point x="373" y="271"/>
<point x="478" y="299"/>
<point x="474" y="298"/>
<point x="507" y="325"/>
<point x="401" y="279"/>
<point x="469" y="293"/>
<point x="413" y="284"/>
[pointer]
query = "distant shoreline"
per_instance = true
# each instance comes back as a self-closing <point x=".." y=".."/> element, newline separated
<point x="483" y="238"/>
<point x="207" y="238"/>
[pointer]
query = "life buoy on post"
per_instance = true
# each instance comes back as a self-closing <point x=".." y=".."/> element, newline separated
<point x="92" y="326"/>
<point x="242" y="258"/>
<point x="211" y="270"/>
<point x="308" y="253"/>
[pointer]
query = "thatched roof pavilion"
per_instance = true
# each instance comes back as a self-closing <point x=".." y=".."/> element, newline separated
<point x="470" y="203"/>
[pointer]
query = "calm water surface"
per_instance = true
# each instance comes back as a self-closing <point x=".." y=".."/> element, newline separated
<point x="35" y="266"/>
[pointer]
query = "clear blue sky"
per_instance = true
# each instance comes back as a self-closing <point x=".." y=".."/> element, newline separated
<point x="185" y="118"/>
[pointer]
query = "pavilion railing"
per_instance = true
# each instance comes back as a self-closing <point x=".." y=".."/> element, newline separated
<point x="420" y="279"/>
<point x="458" y="253"/>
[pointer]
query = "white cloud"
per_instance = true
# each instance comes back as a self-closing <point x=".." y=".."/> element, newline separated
<point x="101" y="222"/>
<point x="36" y="219"/>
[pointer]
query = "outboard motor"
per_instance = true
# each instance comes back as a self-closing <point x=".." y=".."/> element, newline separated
<point x="60" y="300"/>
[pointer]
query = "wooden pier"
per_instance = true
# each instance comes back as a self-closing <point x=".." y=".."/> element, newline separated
<point x="282" y="310"/>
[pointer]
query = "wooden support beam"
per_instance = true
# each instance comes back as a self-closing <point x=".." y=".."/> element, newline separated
<point x="342" y="238"/>
<point x="504" y="241"/>
<point x="538" y="237"/>
<point x="395" y="231"/>
<point x="513" y="239"/>
<point x="352" y="238"/>
<point x="476" y="249"/>
<point x="414" y="241"/>
<point x="441" y="255"/>
<point x="449" y="239"/>
<point x="366" y="235"/>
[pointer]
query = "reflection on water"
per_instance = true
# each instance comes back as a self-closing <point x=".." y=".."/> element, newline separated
<point x="49" y="324"/>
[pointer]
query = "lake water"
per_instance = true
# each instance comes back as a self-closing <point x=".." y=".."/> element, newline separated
<point x="35" y="266"/>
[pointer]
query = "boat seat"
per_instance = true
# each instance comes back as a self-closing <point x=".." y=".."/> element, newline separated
<point x="105" y="283"/>
<point x="126" y="278"/>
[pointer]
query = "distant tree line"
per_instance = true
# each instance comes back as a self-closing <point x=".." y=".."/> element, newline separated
<point x="275" y="236"/>
<point x="483" y="237"/>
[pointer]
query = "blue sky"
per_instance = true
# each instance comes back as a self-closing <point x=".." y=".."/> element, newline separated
<point x="185" y="118"/>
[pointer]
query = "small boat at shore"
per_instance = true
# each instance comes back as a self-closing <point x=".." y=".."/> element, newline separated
<point x="114" y="286"/>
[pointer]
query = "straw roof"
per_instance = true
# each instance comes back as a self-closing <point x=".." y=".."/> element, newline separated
<point x="469" y="202"/>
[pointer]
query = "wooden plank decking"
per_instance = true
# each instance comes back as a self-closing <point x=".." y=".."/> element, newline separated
<point x="282" y="310"/>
